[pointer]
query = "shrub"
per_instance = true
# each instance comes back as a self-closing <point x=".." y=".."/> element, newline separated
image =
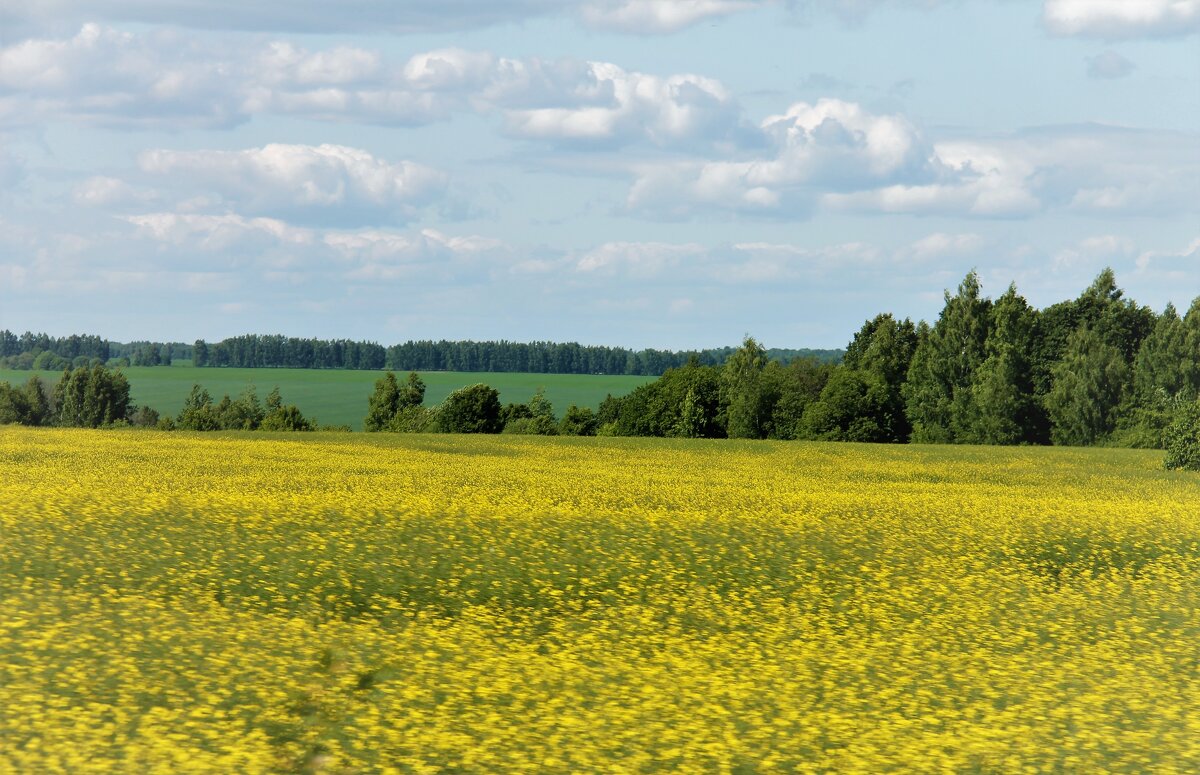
<point x="1183" y="439"/>
<point x="474" y="409"/>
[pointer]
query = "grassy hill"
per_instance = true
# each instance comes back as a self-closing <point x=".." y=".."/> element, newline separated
<point x="338" y="397"/>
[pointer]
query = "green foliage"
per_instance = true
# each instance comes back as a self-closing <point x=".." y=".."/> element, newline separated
<point x="90" y="398"/>
<point x="854" y="406"/>
<point x="658" y="408"/>
<point x="414" y="419"/>
<point x="938" y="398"/>
<point x="578" y="421"/>
<point x="13" y="408"/>
<point x="1168" y="359"/>
<point x="49" y="361"/>
<point x="145" y="417"/>
<point x="197" y="413"/>
<point x="1006" y="411"/>
<point x="286" y="418"/>
<point x="798" y="385"/>
<point x="473" y="409"/>
<point x="1088" y="386"/>
<point x="37" y="397"/>
<point x="746" y="397"/>
<point x="383" y="404"/>
<point x="1182" y="439"/>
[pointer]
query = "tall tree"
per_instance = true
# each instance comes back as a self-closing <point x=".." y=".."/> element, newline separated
<point x="744" y="395"/>
<point x="938" y="397"/>
<point x="1089" y="383"/>
<point x="1006" y="411"/>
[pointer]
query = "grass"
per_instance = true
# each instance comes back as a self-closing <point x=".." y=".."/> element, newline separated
<point x="337" y="397"/>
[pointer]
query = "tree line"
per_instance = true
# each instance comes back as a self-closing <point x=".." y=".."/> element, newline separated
<point x="42" y="352"/>
<point x="1098" y="369"/>
<point x="98" y="397"/>
<point x="562" y="357"/>
<point x="258" y="351"/>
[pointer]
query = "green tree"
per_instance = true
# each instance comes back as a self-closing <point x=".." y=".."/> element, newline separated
<point x="1006" y="410"/>
<point x="14" y="408"/>
<point x="37" y="401"/>
<point x="197" y="413"/>
<point x="89" y="398"/>
<point x="938" y="397"/>
<point x="798" y="385"/>
<point x="1088" y="386"/>
<point x="578" y="421"/>
<point x="1183" y="439"/>
<point x="391" y="399"/>
<point x="383" y="404"/>
<point x="473" y="409"/>
<point x="286" y="418"/>
<point x="853" y="407"/>
<point x="746" y="402"/>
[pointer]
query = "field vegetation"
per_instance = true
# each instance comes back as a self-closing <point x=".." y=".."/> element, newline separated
<point x="405" y="603"/>
<point x="339" y="397"/>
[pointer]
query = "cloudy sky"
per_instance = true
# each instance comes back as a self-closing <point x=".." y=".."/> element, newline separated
<point x="646" y="173"/>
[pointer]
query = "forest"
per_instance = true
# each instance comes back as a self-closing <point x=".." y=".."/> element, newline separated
<point x="1099" y="369"/>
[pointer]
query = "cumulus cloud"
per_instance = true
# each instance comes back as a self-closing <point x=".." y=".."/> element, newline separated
<point x="269" y="245"/>
<point x="323" y="182"/>
<point x="167" y="81"/>
<point x="836" y="156"/>
<point x="612" y="104"/>
<point x="112" y="78"/>
<point x="1109" y="65"/>
<point x="1122" y="19"/>
<point x="832" y="145"/>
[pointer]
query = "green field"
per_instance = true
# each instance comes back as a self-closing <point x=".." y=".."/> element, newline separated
<point x="337" y="397"/>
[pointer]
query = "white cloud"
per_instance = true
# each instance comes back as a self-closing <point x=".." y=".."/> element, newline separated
<point x="637" y="259"/>
<point x="1122" y="19"/>
<point x="1109" y="65"/>
<point x="836" y="156"/>
<point x="607" y="103"/>
<point x="324" y="182"/>
<point x="1181" y="265"/>
<point x="942" y="245"/>
<point x="373" y="16"/>
<point x="1097" y="251"/>
<point x="165" y="80"/>
<point x="644" y="17"/>
<point x="105" y="191"/>
<point x="830" y="146"/>
<point x="216" y="232"/>
<point x="113" y="78"/>
<point x="308" y="16"/>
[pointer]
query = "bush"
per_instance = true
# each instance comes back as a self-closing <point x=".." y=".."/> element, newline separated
<point x="286" y="418"/>
<point x="1183" y="440"/>
<point x="532" y="426"/>
<point x="474" y="409"/>
<point x="144" y="417"/>
<point x="578" y="421"/>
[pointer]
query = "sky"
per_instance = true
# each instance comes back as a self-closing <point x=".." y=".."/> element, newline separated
<point x="641" y="173"/>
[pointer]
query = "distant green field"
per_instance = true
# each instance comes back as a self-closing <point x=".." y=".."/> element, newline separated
<point x="338" y="397"/>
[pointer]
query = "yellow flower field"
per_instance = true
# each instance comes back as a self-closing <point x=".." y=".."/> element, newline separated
<point x="174" y="603"/>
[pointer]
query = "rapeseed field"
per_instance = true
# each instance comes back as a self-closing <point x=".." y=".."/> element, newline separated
<point x="406" y="604"/>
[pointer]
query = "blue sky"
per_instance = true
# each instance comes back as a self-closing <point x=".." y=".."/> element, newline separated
<point x="646" y="173"/>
